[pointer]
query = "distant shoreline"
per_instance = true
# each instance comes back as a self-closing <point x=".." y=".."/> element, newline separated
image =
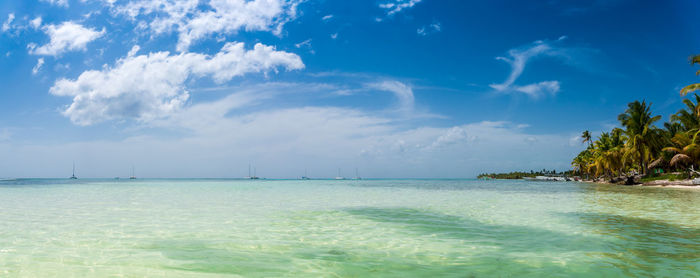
<point x="680" y="184"/>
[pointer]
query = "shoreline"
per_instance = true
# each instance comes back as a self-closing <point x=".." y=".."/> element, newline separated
<point x="682" y="184"/>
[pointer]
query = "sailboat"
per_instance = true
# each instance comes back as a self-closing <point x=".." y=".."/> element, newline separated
<point x="339" y="177"/>
<point x="73" y="177"/>
<point x="357" y="175"/>
<point x="132" y="177"/>
<point x="253" y="177"/>
<point x="305" y="176"/>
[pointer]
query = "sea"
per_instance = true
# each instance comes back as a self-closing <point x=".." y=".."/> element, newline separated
<point x="345" y="228"/>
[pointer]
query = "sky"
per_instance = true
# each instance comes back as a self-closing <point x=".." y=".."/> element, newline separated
<point x="390" y="88"/>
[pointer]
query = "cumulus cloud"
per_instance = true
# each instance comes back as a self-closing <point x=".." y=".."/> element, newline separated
<point x="218" y="17"/>
<point x="147" y="87"/>
<point x="396" y="6"/>
<point x="39" y="63"/>
<point x="518" y="59"/>
<point x="68" y="36"/>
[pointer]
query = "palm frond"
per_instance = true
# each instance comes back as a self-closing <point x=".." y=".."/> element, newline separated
<point x="656" y="163"/>
<point x="679" y="158"/>
<point x="690" y="88"/>
<point x="695" y="59"/>
<point x="672" y="150"/>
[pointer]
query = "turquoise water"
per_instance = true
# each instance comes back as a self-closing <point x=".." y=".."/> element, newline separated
<point x="378" y="228"/>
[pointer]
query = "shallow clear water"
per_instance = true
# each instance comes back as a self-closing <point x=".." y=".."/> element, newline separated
<point x="379" y="228"/>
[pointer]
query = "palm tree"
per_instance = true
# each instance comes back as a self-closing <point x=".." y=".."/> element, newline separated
<point x="586" y="137"/>
<point x="642" y="135"/>
<point x="685" y="149"/>
<point x="689" y="117"/>
<point x="695" y="59"/>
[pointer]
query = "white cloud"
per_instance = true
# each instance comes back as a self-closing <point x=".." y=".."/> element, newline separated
<point x="327" y="17"/>
<point x="8" y="23"/>
<point x="35" y="23"/>
<point x="537" y="90"/>
<point x="518" y="59"/>
<point x="403" y="93"/>
<point x="434" y="27"/>
<point x="148" y="87"/>
<point x="306" y="43"/>
<point x="60" y="3"/>
<point x="219" y="17"/>
<point x="135" y="49"/>
<point x="68" y="36"/>
<point x="334" y="36"/>
<point x="452" y="136"/>
<point x="396" y="6"/>
<point x="36" y="68"/>
<point x="218" y="138"/>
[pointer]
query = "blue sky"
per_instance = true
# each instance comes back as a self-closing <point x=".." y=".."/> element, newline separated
<point x="394" y="88"/>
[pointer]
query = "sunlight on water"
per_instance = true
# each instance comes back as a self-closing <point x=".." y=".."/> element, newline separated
<point x="391" y="228"/>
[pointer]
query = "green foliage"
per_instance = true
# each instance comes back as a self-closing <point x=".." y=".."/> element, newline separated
<point x="669" y="176"/>
<point x="519" y="175"/>
<point x="695" y="59"/>
<point x="640" y="146"/>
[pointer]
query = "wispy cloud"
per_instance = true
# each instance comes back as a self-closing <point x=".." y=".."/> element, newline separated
<point x="434" y="27"/>
<point x="60" y="3"/>
<point x="306" y="45"/>
<point x="403" y="92"/>
<point x="8" y="23"/>
<point x="37" y="68"/>
<point x="396" y="6"/>
<point x="518" y="59"/>
<point x="327" y="17"/>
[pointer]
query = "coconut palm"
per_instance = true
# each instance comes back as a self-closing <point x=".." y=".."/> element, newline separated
<point x="685" y="149"/>
<point x="642" y="136"/>
<point x="695" y="59"/>
<point x="586" y="137"/>
<point x="689" y="117"/>
<point x="607" y="154"/>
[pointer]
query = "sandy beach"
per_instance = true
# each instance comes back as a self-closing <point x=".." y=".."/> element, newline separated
<point x="686" y="184"/>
